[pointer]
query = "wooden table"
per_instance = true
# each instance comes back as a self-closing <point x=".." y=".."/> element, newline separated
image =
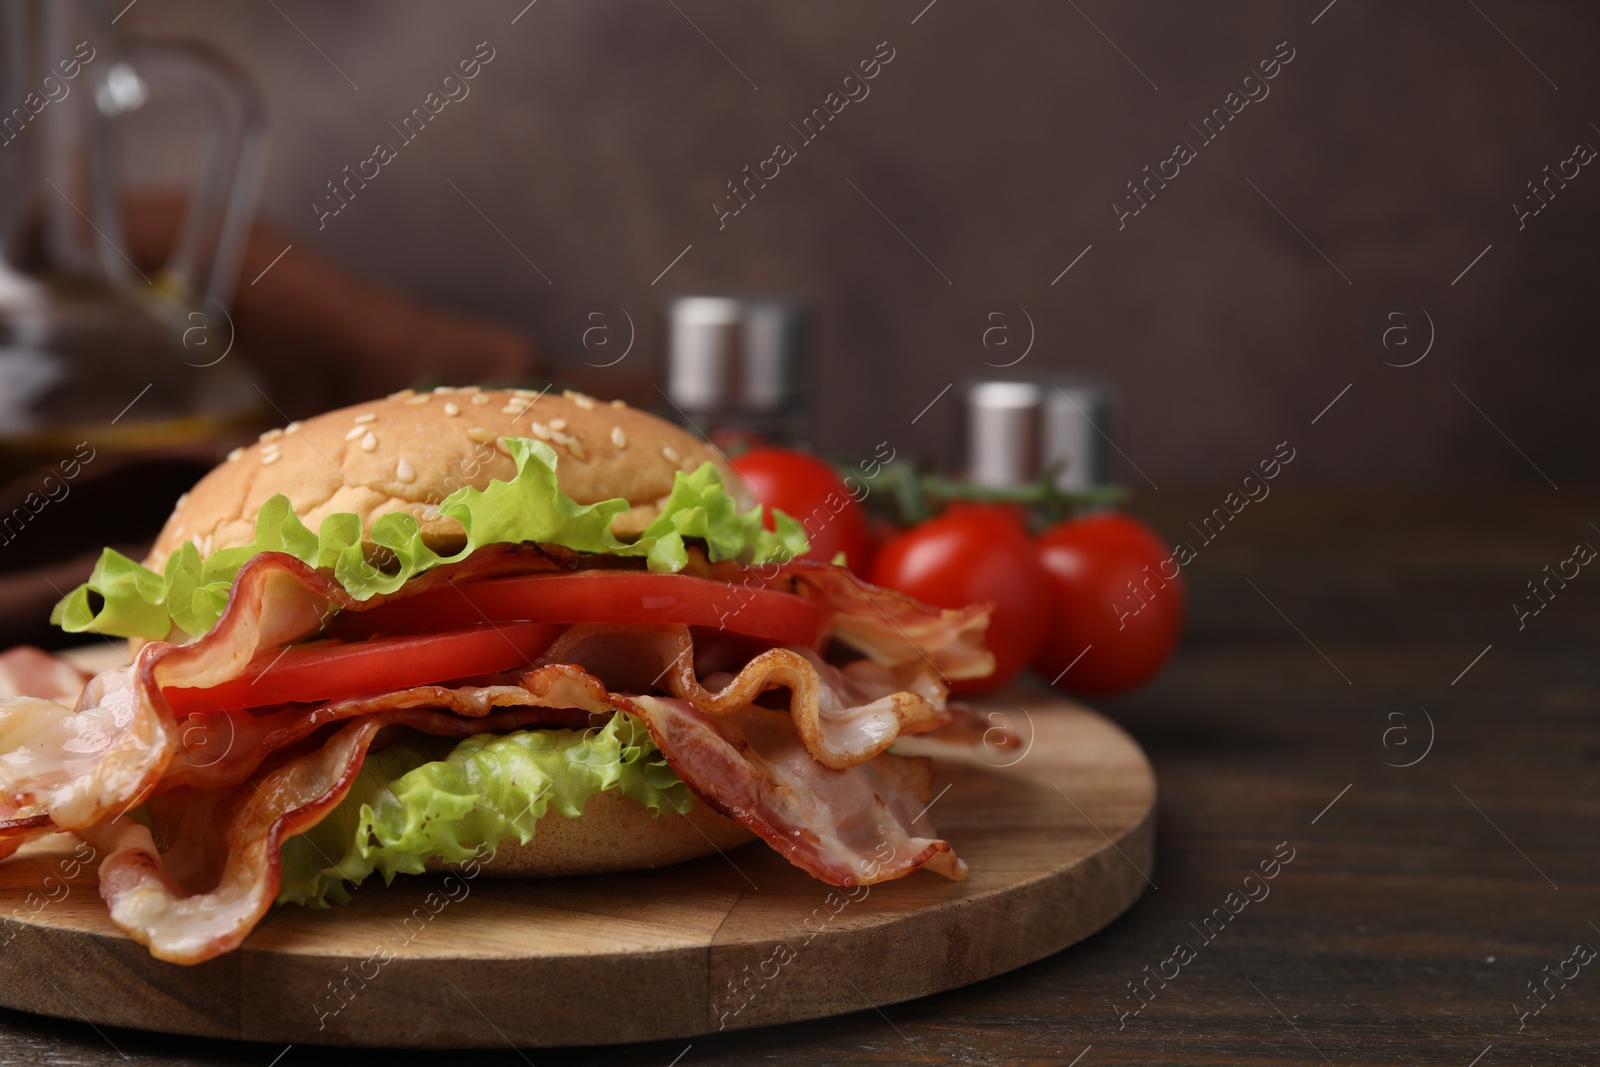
<point x="1419" y="901"/>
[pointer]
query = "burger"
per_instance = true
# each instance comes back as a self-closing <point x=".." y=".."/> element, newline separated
<point x="539" y="635"/>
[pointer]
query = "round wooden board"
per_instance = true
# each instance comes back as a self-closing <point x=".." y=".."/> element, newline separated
<point x="1059" y="838"/>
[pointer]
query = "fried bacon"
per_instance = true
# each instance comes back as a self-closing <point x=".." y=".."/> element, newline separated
<point x="14" y="833"/>
<point x="216" y="879"/>
<point x="888" y="627"/>
<point x="791" y="745"/>
<point x="82" y="766"/>
<point x="26" y="671"/>
<point x="226" y="748"/>
<point x="852" y="827"/>
<point x="845" y="716"/>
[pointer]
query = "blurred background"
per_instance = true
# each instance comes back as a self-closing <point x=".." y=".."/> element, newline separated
<point x="985" y="159"/>
<point x="1376" y="248"/>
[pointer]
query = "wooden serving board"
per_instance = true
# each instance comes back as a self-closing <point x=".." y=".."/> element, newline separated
<point x="1059" y="838"/>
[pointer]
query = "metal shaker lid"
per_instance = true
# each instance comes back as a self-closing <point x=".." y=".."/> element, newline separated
<point x="1003" y="424"/>
<point x="1079" y="425"/>
<point x="1018" y="430"/>
<point x="731" y="354"/>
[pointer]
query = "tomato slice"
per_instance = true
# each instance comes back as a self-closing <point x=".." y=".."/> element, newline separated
<point x="600" y="597"/>
<point x="334" y="671"/>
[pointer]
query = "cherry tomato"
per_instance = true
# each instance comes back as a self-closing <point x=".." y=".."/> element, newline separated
<point x="880" y="531"/>
<point x="1119" y="594"/>
<point x="810" y="491"/>
<point x="600" y="597"/>
<point x="969" y="554"/>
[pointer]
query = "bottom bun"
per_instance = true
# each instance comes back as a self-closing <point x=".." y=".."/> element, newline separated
<point x="613" y="834"/>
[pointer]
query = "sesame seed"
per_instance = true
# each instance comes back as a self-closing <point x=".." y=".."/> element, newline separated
<point x="444" y="388"/>
<point x="402" y="394"/>
<point x="619" y="438"/>
<point x="270" y="457"/>
<point x="500" y="443"/>
<point x="206" y="544"/>
<point x="480" y="398"/>
<point x="452" y="409"/>
<point x="585" y="402"/>
<point x="404" y="471"/>
<point x="182" y="500"/>
<point x="540" y="430"/>
<point x="420" y="398"/>
<point x="575" y="446"/>
<point x="369" y="442"/>
<point x="558" y="437"/>
<point x="558" y="424"/>
<point x="525" y="392"/>
<point x="479" y="434"/>
<point x="270" y="435"/>
<point x="355" y="432"/>
<point x="236" y="455"/>
<point x="368" y="417"/>
<point x="470" y="389"/>
<point x="432" y="513"/>
<point x="293" y="427"/>
<point x="513" y="409"/>
<point x="671" y="454"/>
<point x="619" y="403"/>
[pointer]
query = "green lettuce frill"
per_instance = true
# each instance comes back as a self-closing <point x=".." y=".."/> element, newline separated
<point x="190" y="593"/>
<point x="421" y="798"/>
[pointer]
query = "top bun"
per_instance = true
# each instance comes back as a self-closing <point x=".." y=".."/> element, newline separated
<point x="410" y="451"/>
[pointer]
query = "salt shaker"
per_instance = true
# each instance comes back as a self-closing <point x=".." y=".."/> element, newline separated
<point x="1016" y="430"/>
<point x="737" y="366"/>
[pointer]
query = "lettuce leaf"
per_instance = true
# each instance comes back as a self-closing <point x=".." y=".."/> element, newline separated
<point x="700" y="508"/>
<point x="531" y="501"/>
<point x="135" y="600"/>
<point x="420" y="798"/>
<point x="190" y="594"/>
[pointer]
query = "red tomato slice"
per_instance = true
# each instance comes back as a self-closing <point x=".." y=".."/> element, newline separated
<point x="600" y="597"/>
<point x="334" y="671"/>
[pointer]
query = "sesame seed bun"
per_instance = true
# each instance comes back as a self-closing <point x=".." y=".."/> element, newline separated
<point x="410" y="451"/>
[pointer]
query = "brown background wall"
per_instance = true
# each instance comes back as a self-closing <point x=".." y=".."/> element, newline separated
<point x="602" y="132"/>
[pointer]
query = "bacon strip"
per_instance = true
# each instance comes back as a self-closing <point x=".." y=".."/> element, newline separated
<point x="889" y="627"/>
<point x="854" y="827"/>
<point x="82" y="766"/>
<point x="226" y="789"/>
<point x="87" y="766"/>
<point x="202" y="884"/>
<point x="95" y="763"/>
<point x="14" y="833"/>
<point x="846" y="716"/>
<point x="896" y="629"/>
<point x="226" y="748"/>
<point x="222" y="902"/>
<point x="26" y="671"/>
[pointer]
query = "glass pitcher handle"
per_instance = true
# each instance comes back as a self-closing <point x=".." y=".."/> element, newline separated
<point x="204" y="264"/>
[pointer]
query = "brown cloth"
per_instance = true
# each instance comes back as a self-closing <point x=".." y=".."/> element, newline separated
<point x="319" y="337"/>
<point x="316" y="337"/>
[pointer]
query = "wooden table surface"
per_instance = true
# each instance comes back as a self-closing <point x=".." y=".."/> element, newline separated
<point x="1328" y="628"/>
